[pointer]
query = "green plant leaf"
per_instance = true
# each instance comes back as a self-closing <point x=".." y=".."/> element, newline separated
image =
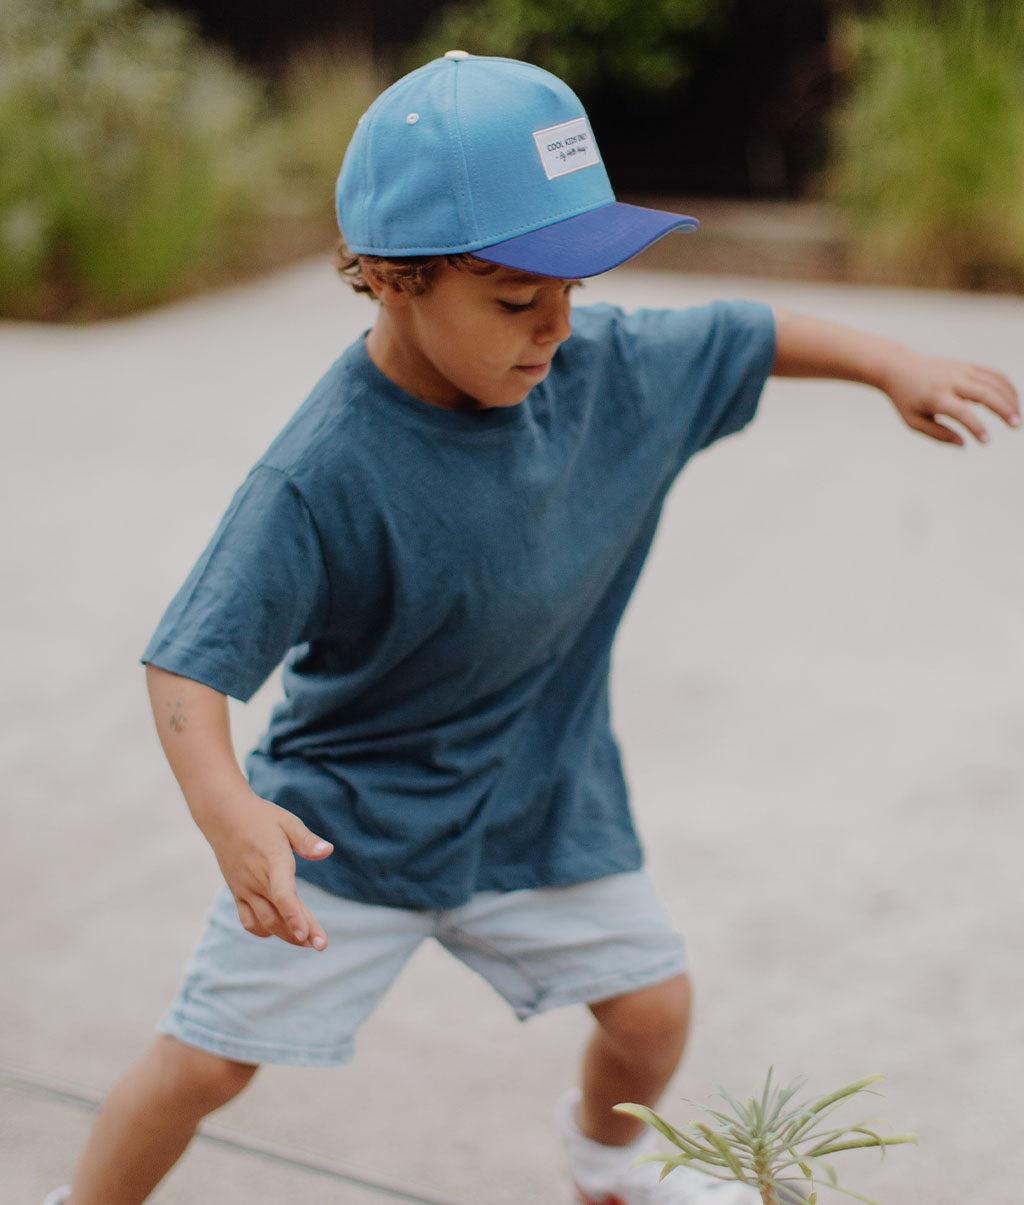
<point x="728" y="1156"/>
<point x="643" y="1113"/>
<point x="861" y="1143"/>
<point x="848" y="1192"/>
<point x="842" y="1093"/>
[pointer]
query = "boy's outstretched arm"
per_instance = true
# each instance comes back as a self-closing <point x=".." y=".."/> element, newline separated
<point x="252" y="838"/>
<point x="923" y="388"/>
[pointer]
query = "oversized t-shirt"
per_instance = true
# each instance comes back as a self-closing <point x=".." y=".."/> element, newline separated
<point x="444" y="588"/>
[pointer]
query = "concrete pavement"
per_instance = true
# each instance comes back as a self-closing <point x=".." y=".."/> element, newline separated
<point x="820" y="692"/>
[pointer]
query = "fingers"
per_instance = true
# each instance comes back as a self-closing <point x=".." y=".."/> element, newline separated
<point x="260" y="918"/>
<point x="966" y="415"/>
<point x="975" y="386"/>
<point x="299" y="926"/>
<point x="247" y="917"/>
<point x="993" y="390"/>
<point x="306" y="844"/>
<point x="302" y="923"/>
<point x="258" y="864"/>
<point x="933" y="388"/>
<point x="281" y="912"/>
<point x="961" y="404"/>
<point x="928" y="426"/>
<point x="264" y="918"/>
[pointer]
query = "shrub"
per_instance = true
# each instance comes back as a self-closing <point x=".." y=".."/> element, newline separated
<point x="929" y="143"/>
<point x="637" y="47"/>
<point x="128" y="149"/>
<point x="322" y="93"/>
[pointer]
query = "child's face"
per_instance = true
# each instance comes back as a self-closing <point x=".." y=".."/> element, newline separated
<point x="474" y="341"/>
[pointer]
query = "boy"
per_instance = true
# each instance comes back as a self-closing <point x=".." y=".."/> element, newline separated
<point x="440" y="545"/>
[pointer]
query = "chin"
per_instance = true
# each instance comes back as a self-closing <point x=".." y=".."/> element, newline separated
<point x="501" y="402"/>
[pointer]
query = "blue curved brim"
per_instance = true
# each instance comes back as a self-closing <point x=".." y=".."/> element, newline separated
<point x="588" y="244"/>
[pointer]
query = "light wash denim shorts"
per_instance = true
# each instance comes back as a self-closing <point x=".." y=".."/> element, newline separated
<point x="260" y="1000"/>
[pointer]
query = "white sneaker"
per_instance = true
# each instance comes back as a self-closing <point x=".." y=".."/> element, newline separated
<point x="59" y="1196"/>
<point x="601" y="1175"/>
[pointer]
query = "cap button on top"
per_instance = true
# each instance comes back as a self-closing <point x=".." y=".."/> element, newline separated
<point x="457" y="54"/>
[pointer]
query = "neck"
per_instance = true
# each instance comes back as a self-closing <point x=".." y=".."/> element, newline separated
<point x="400" y="361"/>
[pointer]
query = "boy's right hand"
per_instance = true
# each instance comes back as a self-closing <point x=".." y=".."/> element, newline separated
<point x="253" y="841"/>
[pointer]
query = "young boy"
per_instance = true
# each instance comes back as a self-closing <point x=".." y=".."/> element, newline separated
<point x="440" y="545"/>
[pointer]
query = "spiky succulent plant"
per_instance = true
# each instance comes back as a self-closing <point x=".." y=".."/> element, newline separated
<point x="768" y="1141"/>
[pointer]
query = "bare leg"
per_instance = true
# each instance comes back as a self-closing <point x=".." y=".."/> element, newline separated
<point x="631" y="1056"/>
<point x="148" y="1119"/>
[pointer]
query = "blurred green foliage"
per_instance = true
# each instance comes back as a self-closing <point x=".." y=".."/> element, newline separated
<point x="319" y="98"/>
<point x="127" y="147"/>
<point x="635" y="47"/>
<point x="929" y="143"/>
<point x="138" y="161"/>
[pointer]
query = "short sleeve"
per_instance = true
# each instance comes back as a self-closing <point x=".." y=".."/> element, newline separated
<point x="259" y="589"/>
<point x="706" y="366"/>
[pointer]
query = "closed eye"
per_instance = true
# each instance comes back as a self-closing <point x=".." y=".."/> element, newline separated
<point x="519" y="307"/>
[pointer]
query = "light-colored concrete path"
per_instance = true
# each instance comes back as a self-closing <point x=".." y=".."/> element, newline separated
<point x="820" y="690"/>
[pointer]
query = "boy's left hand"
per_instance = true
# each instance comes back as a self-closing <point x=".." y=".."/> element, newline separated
<point x="926" y="388"/>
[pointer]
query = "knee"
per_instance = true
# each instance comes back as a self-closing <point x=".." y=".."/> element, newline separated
<point x="200" y="1081"/>
<point x="655" y="1018"/>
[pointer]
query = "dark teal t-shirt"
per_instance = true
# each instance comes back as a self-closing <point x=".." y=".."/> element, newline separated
<point x="444" y="589"/>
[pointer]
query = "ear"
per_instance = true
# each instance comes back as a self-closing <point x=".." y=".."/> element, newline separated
<point x="384" y="290"/>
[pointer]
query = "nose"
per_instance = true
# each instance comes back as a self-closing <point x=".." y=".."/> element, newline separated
<point x="554" y="325"/>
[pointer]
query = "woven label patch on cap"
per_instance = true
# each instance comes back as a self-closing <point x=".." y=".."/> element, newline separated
<point x="567" y="148"/>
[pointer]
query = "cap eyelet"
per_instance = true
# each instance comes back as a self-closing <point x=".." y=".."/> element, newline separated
<point x="412" y="119"/>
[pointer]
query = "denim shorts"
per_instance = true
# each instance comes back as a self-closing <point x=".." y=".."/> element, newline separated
<point x="260" y="1000"/>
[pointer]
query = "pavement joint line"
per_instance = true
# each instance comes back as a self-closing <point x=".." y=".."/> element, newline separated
<point x="72" y="1094"/>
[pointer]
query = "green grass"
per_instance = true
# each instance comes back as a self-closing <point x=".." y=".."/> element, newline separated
<point x="929" y="143"/>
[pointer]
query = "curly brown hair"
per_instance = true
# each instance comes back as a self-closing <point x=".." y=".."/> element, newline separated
<point x="412" y="274"/>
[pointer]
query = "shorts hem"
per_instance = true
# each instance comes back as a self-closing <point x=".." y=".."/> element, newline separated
<point x="255" y="1053"/>
<point x="605" y="989"/>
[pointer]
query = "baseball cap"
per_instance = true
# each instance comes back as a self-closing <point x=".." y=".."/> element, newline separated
<point x="490" y="156"/>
